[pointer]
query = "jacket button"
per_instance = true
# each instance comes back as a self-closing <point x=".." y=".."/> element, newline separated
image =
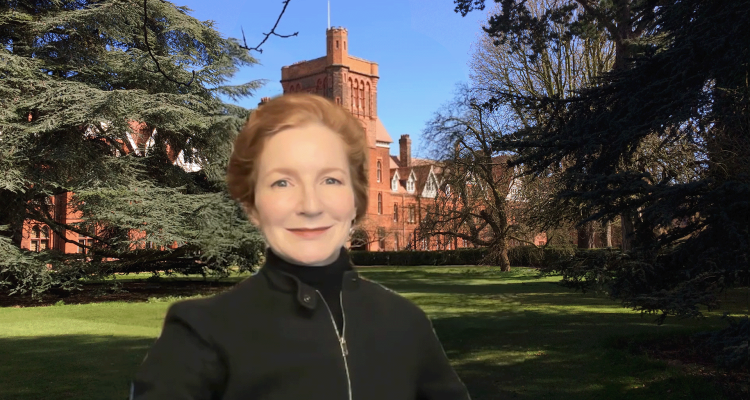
<point x="306" y="298"/>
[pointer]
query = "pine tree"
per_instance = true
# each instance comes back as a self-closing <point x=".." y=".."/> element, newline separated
<point x="75" y="78"/>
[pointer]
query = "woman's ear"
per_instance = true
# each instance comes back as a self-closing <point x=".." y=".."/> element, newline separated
<point x="252" y="215"/>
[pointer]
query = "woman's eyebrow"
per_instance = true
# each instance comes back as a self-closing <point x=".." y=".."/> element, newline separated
<point x="289" y="171"/>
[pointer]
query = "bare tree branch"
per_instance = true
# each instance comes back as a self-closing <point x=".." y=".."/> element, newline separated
<point x="158" y="67"/>
<point x="273" y="32"/>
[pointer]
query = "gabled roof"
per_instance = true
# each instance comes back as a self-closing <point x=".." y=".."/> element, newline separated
<point x="381" y="134"/>
<point x="394" y="163"/>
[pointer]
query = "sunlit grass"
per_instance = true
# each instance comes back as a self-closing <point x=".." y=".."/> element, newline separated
<point x="509" y="335"/>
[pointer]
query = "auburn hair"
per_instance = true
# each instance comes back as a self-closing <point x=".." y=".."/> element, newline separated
<point x="294" y="111"/>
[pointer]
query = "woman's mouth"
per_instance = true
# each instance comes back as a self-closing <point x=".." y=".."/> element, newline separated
<point x="309" y="233"/>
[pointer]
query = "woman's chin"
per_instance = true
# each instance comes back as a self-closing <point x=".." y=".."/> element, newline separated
<point x="312" y="253"/>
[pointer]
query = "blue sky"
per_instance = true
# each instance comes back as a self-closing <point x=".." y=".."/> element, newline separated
<point x="422" y="48"/>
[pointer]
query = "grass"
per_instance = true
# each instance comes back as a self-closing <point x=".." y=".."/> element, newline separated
<point x="509" y="335"/>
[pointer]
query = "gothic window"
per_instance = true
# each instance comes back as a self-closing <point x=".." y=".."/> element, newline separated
<point x="351" y="93"/>
<point x="395" y="212"/>
<point x="362" y="95"/>
<point x="379" y="170"/>
<point x="355" y="97"/>
<point x="411" y="214"/>
<point x="380" y="203"/>
<point x="394" y="184"/>
<point x="369" y="100"/>
<point x="39" y="238"/>
<point x="381" y="238"/>
<point x="397" y="242"/>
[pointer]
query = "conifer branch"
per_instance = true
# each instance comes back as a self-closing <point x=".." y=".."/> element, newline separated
<point x="273" y="32"/>
<point x="158" y="67"/>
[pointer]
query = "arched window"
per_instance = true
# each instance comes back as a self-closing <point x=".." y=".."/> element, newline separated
<point x="395" y="212"/>
<point x="369" y="99"/>
<point x="379" y="170"/>
<point x="380" y="203"/>
<point x="381" y="238"/>
<point x="362" y="96"/>
<point x="351" y="94"/>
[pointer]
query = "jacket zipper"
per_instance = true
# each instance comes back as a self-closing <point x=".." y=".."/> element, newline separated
<point x="342" y="339"/>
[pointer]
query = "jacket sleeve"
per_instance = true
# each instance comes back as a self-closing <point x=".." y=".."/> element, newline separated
<point x="437" y="379"/>
<point x="182" y="364"/>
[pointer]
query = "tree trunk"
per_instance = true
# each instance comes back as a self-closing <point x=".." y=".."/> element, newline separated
<point x="498" y="255"/>
<point x="586" y="236"/>
<point x="627" y="231"/>
<point x="608" y="233"/>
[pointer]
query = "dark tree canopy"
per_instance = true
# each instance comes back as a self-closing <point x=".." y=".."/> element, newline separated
<point x="75" y="78"/>
<point x="663" y="138"/>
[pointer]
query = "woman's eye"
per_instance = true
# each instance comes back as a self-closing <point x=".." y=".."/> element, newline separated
<point x="333" y="179"/>
<point x="279" y="181"/>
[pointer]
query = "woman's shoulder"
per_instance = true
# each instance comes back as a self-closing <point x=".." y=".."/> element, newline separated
<point x="207" y="309"/>
<point x="391" y="298"/>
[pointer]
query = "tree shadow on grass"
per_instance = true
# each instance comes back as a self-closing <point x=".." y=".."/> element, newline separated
<point x="527" y="356"/>
<point x="566" y="358"/>
<point x="80" y="367"/>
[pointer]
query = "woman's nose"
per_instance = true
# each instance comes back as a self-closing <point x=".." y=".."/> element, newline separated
<point x="309" y="203"/>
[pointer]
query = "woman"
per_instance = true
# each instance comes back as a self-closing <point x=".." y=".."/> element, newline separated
<point x="306" y="326"/>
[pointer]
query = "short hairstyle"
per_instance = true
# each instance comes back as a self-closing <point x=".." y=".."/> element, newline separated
<point x="293" y="111"/>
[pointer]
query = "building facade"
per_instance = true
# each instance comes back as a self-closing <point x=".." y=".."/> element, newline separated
<point x="401" y="186"/>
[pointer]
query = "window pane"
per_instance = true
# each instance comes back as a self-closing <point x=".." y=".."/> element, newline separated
<point x="43" y="244"/>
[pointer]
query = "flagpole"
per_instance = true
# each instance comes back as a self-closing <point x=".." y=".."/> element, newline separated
<point x="329" y="14"/>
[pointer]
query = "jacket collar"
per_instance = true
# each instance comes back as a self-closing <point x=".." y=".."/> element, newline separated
<point x="306" y="295"/>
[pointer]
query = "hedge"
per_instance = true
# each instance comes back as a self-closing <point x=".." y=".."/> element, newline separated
<point x="521" y="256"/>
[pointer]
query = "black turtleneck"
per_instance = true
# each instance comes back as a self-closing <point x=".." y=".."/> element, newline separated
<point x="327" y="279"/>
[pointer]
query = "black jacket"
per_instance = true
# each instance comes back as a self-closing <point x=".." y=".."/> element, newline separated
<point x="272" y="337"/>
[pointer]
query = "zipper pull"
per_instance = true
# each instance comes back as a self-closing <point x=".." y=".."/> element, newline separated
<point x="343" y="346"/>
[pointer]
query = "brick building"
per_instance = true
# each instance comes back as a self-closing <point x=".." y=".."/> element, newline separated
<point x="400" y="185"/>
<point x="37" y="236"/>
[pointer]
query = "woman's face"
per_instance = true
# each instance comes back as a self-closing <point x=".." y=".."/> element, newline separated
<point x="304" y="182"/>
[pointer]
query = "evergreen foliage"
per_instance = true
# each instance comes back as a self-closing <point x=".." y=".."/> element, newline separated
<point x="663" y="138"/>
<point x="75" y="76"/>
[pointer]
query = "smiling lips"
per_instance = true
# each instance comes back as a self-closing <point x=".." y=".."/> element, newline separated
<point x="309" y="233"/>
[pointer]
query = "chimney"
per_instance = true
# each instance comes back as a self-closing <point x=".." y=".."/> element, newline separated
<point x="263" y="100"/>
<point x="404" y="145"/>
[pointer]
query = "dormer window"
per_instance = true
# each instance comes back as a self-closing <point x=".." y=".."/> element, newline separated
<point x="410" y="185"/>
<point x="394" y="184"/>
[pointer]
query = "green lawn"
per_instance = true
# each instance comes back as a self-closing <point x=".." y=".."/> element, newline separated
<point x="510" y="336"/>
